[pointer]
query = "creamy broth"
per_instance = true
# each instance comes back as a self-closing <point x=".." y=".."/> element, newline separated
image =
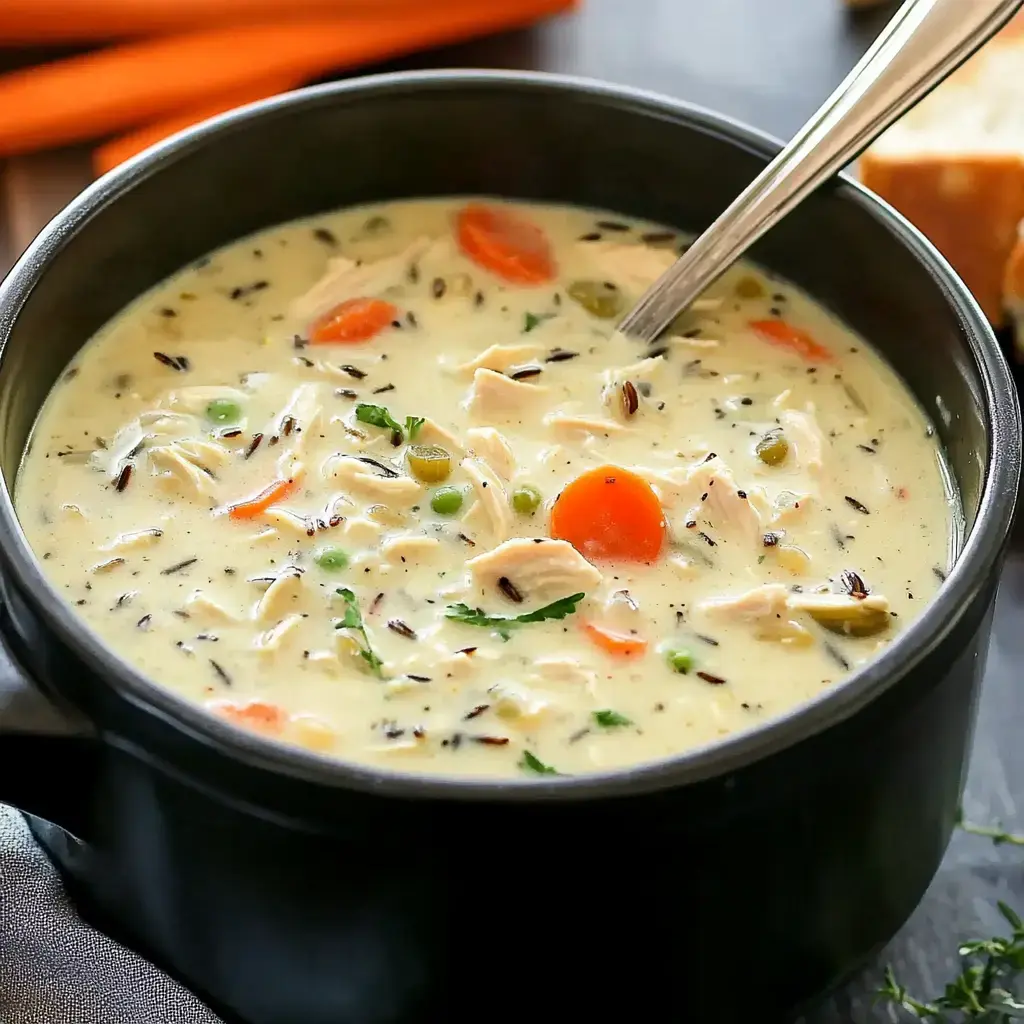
<point x="229" y="499"/>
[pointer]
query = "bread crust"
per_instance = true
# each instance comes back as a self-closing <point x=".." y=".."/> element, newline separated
<point x="969" y="206"/>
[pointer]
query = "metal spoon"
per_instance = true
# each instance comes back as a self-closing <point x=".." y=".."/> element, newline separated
<point x="925" y="41"/>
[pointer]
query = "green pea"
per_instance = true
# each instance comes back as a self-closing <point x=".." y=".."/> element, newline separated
<point x="446" y="501"/>
<point x="526" y="500"/>
<point x="679" y="659"/>
<point x="332" y="559"/>
<point x="224" y="410"/>
<point x="772" y="449"/>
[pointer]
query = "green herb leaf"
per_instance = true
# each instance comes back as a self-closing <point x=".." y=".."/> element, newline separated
<point x="478" y="617"/>
<point x="986" y="988"/>
<point x="532" y="320"/>
<point x="377" y="416"/>
<point x="609" y="719"/>
<point x="532" y="763"/>
<point x="412" y="426"/>
<point x="352" y="618"/>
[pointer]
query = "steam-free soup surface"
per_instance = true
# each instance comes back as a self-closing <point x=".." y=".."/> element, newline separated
<point x="388" y="485"/>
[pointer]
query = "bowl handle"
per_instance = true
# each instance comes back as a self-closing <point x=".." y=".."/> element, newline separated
<point x="48" y="754"/>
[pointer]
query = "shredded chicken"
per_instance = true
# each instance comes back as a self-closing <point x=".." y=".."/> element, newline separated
<point x="206" y="609"/>
<point x="517" y="704"/>
<point x="646" y="370"/>
<point x="501" y="358"/>
<point x="204" y="453"/>
<point x="566" y="670"/>
<point x="412" y="548"/>
<point x="279" y="597"/>
<point x="494" y="396"/>
<point x="298" y="420"/>
<point x="274" y="639"/>
<point x="176" y="466"/>
<point x="583" y="424"/>
<point x="433" y="433"/>
<point x="346" y="279"/>
<point x="488" y="444"/>
<point x="491" y="498"/>
<point x="291" y="521"/>
<point x="805" y="436"/>
<point x="541" y="571"/>
<point x="361" y="531"/>
<point x="195" y="399"/>
<point x="365" y="480"/>
<point x="633" y="267"/>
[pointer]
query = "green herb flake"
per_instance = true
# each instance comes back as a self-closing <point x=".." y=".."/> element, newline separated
<point x="532" y="763"/>
<point x="352" y="618"/>
<point x="609" y="719"/>
<point x="532" y="320"/>
<point x="378" y="416"/>
<point x="478" y="617"/>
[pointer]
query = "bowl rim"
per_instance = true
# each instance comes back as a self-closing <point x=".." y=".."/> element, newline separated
<point x="971" y="572"/>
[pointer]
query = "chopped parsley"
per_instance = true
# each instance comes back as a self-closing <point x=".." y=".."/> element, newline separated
<point x="378" y="416"/>
<point x="532" y="763"/>
<point x="478" y="617"/>
<point x="609" y="719"/>
<point x="532" y="320"/>
<point x="353" y="619"/>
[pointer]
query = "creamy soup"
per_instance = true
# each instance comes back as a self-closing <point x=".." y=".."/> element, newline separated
<point x="388" y="485"/>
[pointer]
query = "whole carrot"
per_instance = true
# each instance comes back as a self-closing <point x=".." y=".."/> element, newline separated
<point x="109" y="90"/>
<point x="76" y="21"/>
<point x="115" y="152"/>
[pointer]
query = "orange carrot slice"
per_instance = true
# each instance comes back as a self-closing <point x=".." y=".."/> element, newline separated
<point x="258" y="715"/>
<point x="624" y="645"/>
<point x="505" y="243"/>
<point x="778" y="332"/>
<point x="251" y="507"/>
<point x="352" y="321"/>
<point x="610" y="513"/>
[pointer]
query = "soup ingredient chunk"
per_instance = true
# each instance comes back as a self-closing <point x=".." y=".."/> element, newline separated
<point x="352" y="321"/>
<point x="610" y="513"/>
<point x="785" y="335"/>
<point x="506" y="243"/>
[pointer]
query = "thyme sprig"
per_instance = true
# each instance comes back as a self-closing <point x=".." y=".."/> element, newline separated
<point x="987" y="988"/>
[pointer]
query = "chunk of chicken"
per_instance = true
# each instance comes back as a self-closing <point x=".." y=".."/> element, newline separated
<point x="646" y="370"/>
<point x="203" y="607"/>
<point x="269" y="642"/>
<point x="411" y="548"/>
<point x="175" y="467"/>
<point x="433" y="433"/>
<point x="805" y="437"/>
<point x="541" y="570"/>
<point x="553" y="669"/>
<point x="279" y="598"/>
<point x="494" y="396"/>
<point x="710" y="495"/>
<point x="501" y="358"/>
<point x="765" y="609"/>
<point x="518" y="705"/>
<point x="346" y="279"/>
<point x="361" y="531"/>
<point x="488" y="444"/>
<point x="363" y="479"/>
<point x="204" y="454"/>
<point x="572" y="423"/>
<point x="492" y="505"/>
<point x="633" y="267"/>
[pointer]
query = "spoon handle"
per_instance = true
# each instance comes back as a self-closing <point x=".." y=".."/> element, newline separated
<point x="924" y="42"/>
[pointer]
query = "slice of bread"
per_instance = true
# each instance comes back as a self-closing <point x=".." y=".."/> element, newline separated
<point x="954" y="165"/>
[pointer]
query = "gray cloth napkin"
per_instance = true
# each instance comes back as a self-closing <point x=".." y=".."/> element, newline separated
<point x="54" y="968"/>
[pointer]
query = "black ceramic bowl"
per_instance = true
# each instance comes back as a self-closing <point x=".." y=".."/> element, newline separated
<point x="731" y="883"/>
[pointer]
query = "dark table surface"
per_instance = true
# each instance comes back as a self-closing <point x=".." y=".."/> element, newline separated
<point x="769" y="63"/>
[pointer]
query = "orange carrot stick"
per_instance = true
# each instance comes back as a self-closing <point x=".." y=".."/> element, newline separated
<point x="625" y="645"/>
<point x="251" y="507"/>
<point x="109" y="90"/>
<point x="784" y="335"/>
<point x="115" y="152"/>
<point x="74" y="21"/>
<point x="610" y="512"/>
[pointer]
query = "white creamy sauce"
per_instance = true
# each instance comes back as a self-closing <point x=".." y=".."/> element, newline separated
<point x="734" y="584"/>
